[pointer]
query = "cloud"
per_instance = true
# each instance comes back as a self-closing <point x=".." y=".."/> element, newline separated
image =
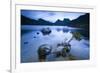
<point x="51" y="16"/>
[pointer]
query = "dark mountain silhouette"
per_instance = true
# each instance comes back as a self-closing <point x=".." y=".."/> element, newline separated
<point x="58" y="22"/>
<point x="43" y="22"/>
<point x="28" y="21"/>
<point x="65" y="22"/>
<point x="80" y="22"/>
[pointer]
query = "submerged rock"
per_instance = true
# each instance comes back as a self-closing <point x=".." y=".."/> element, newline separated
<point x="34" y="36"/>
<point x="37" y="33"/>
<point x="26" y="42"/>
<point x="46" y="31"/>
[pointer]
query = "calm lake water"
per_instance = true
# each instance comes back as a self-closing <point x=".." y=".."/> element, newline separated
<point x="32" y="38"/>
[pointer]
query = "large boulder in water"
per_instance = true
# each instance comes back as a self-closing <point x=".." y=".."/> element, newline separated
<point x="43" y="51"/>
<point x="46" y="31"/>
<point x="45" y="47"/>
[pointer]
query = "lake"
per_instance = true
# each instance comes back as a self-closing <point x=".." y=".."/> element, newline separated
<point x="32" y="37"/>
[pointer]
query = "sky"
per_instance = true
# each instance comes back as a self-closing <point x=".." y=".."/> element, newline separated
<point x="51" y="16"/>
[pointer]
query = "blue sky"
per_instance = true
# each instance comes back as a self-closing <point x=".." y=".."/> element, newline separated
<point x="51" y="16"/>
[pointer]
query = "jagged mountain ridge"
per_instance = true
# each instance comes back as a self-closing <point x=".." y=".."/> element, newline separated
<point x="28" y="21"/>
<point x="80" y="22"/>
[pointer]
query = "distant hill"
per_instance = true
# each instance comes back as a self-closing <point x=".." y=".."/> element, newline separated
<point x="82" y="21"/>
<point x="28" y="21"/>
<point x="65" y="22"/>
<point x="43" y="22"/>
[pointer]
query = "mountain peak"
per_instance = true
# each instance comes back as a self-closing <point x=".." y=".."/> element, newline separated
<point x="66" y="20"/>
<point x="58" y="20"/>
<point x="40" y="19"/>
